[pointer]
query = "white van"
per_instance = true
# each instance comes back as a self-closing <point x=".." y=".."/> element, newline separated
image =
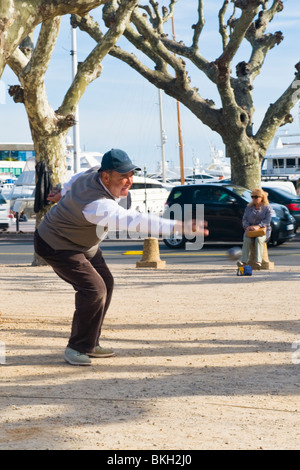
<point x="5" y="219"/>
<point x="145" y="195"/>
<point x="148" y="195"/>
<point x="284" y="185"/>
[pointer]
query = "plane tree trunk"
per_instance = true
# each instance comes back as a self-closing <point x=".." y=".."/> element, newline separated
<point x="50" y="149"/>
<point x="49" y="127"/>
<point x="245" y="157"/>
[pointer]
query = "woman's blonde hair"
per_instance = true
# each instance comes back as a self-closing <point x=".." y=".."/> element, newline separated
<point x="262" y="194"/>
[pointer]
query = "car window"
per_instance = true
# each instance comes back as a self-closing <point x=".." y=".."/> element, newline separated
<point x="272" y="196"/>
<point x="180" y="196"/>
<point x="204" y="193"/>
<point x="199" y="195"/>
<point x="223" y="196"/>
<point x="176" y="195"/>
<point x="242" y="192"/>
<point x="211" y="194"/>
<point x="2" y="200"/>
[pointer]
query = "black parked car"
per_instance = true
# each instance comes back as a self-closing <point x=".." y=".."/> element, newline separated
<point x="291" y="201"/>
<point x="223" y="210"/>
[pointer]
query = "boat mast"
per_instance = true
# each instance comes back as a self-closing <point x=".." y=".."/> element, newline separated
<point x="76" y="150"/>
<point x="162" y="138"/>
<point x="180" y="144"/>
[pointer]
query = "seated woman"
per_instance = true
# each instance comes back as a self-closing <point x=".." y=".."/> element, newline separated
<point x="257" y="215"/>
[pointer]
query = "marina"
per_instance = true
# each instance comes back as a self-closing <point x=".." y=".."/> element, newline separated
<point x="282" y="160"/>
<point x="149" y="192"/>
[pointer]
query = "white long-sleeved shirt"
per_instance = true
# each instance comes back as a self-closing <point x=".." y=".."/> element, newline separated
<point x="107" y="212"/>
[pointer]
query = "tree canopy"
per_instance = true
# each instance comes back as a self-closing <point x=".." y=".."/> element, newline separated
<point x="30" y="62"/>
<point x="166" y="62"/>
<point x="18" y="19"/>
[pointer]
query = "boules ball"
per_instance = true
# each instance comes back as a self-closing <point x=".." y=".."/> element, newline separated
<point x="234" y="253"/>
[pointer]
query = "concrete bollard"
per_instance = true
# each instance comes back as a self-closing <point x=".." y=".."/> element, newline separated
<point x="151" y="257"/>
<point x="266" y="263"/>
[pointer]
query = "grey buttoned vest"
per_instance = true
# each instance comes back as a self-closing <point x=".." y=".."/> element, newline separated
<point x="64" y="227"/>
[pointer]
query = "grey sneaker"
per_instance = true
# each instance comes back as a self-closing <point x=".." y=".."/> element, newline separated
<point x="240" y="264"/>
<point x="101" y="352"/>
<point x="76" y="358"/>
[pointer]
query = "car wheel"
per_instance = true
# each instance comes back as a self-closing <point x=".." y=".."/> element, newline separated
<point x="175" y="241"/>
<point x="272" y="242"/>
<point x="275" y="242"/>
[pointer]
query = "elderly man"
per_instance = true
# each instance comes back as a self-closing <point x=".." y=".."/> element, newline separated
<point x="68" y="239"/>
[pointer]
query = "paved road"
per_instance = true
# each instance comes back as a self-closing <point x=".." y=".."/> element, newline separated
<point x="21" y="251"/>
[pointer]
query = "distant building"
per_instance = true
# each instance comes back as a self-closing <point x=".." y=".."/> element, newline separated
<point x="13" y="157"/>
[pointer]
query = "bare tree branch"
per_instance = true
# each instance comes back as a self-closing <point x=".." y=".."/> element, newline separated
<point x="160" y="77"/>
<point x="198" y="26"/>
<point x="239" y="31"/>
<point x="222" y="26"/>
<point x="19" y="18"/>
<point x="156" y="19"/>
<point x="248" y="20"/>
<point x="31" y="74"/>
<point x="278" y="113"/>
<point x="91" y="68"/>
<point x="18" y="61"/>
<point x="156" y="44"/>
<point x="43" y="51"/>
<point x="262" y="43"/>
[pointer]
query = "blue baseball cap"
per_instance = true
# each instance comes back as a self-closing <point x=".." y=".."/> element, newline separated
<point x="117" y="160"/>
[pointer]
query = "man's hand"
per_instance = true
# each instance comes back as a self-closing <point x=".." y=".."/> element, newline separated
<point x="192" y="227"/>
<point x="54" y="196"/>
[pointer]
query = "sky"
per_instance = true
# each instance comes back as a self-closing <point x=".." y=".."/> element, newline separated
<point x="120" y="109"/>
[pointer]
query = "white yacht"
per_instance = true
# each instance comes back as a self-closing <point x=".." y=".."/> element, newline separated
<point x="282" y="159"/>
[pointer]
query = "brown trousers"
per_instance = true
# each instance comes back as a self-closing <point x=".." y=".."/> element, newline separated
<point x="93" y="283"/>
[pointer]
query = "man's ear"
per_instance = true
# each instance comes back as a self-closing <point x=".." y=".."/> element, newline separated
<point x="105" y="177"/>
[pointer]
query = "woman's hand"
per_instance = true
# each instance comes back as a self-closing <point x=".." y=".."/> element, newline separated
<point x="253" y="227"/>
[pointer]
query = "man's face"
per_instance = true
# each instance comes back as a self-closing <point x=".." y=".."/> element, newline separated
<point x="118" y="184"/>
